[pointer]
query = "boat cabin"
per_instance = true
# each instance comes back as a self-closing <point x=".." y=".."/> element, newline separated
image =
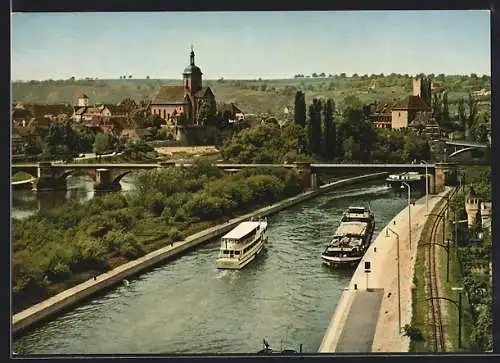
<point x="241" y="239"/>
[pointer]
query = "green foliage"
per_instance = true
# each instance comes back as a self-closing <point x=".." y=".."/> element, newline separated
<point x="262" y="143"/>
<point x="300" y="109"/>
<point x="101" y="143"/>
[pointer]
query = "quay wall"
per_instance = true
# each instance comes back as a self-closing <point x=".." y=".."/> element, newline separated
<point x="381" y="276"/>
<point x="64" y="300"/>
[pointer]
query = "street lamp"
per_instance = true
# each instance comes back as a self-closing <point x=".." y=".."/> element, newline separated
<point x="456" y="223"/>
<point x="409" y="211"/>
<point x="459" y="290"/>
<point x="399" y="285"/>
<point x="426" y="187"/>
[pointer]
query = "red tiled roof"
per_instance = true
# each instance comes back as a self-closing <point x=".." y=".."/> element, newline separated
<point x="231" y="107"/>
<point x="203" y="92"/>
<point x="411" y="103"/>
<point x="169" y="95"/>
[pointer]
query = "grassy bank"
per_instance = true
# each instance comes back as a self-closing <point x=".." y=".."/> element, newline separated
<point x="21" y="176"/>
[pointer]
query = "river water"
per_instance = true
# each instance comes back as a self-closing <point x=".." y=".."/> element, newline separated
<point x="187" y="306"/>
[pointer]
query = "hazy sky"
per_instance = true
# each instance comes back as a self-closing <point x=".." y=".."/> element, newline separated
<point x="249" y="44"/>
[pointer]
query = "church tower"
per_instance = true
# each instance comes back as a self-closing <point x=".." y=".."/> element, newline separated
<point x="191" y="77"/>
<point x="422" y="88"/>
<point x="471" y="207"/>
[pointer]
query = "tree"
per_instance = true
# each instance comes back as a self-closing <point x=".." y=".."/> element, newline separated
<point x="314" y="75"/>
<point x="472" y="105"/>
<point x="436" y="107"/>
<point x="300" y="108"/>
<point x="313" y="128"/>
<point x="101" y="143"/>
<point x="128" y="105"/>
<point x="461" y="112"/>
<point x="445" y="109"/>
<point x="329" y="129"/>
<point x="207" y="114"/>
<point x="351" y="149"/>
<point x="322" y="74"/>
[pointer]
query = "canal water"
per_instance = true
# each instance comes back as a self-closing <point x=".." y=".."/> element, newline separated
<point x="187" y="306"/>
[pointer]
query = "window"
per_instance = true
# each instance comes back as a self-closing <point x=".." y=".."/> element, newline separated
<point x="399" y="114"/>
<point x="164" y="112"/>
<point x="236" y="252"/>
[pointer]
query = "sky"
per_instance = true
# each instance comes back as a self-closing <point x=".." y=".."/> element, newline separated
<point x="249" y="45"/>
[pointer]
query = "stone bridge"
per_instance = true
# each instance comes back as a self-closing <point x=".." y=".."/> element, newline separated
<point x="51" y="176"/>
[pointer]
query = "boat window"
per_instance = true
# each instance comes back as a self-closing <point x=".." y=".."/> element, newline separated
<point x="236" y="252"/>
<point x="225" y="252"/>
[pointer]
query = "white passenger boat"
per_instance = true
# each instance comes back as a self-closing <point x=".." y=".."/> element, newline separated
<point x="242" y="244"/>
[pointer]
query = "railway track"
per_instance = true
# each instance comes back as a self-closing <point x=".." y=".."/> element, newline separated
<point x="436" y="337"/>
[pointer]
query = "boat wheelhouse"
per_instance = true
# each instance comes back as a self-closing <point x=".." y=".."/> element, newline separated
<point x="242" y="244"/>
<point x="351" y="239"/>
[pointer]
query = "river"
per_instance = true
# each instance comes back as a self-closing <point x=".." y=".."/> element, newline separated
<point x="187" y="306"/>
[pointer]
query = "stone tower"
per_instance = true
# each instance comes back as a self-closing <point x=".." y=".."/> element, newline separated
<point x="486" y="215"/>
<point x="83" y="100"/>
<point x="471" y="207"/>
<point x="191" y="77"/>
<point x="422" y="88"/>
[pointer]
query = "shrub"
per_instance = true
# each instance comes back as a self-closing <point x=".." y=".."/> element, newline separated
<point x="413" y="333"/>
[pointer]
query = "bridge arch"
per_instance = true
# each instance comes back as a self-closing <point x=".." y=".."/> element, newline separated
<point x="470" y="148"/>
<point x="66" y="173"/>
<point x="119" y="177"/>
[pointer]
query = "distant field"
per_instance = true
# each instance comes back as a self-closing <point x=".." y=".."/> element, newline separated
<point x="252" y="96"/>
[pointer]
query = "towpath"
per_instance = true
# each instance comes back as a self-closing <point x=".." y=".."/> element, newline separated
<point x="374" y="325"/>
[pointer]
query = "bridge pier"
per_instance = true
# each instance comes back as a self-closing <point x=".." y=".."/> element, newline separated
<point x="47" y="178"/>
<point x="308" y="179"/>
<point x="104" y="180"/>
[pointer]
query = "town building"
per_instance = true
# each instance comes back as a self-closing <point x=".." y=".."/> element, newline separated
<point x="413" y="111"/>
<point x="477" y="208"/>
<point x="180" y="105"/>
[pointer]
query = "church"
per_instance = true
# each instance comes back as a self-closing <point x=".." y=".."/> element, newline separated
<point x="180" y="105"/>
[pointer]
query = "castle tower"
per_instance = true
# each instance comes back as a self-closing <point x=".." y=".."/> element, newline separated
<point x="83" y="100"/>
<point x="422" y="88"/>
<point x="471" y="207"/>
<point x="191" y="77"/>
<point x="486" y="215"/>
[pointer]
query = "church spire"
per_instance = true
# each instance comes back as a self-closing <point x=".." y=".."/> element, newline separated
<point x="192" y="55"/>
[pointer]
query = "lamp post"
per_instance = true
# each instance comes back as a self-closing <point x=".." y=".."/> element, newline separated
<point x="456" y="223"/>
<point x="426" y="187"/>
<point x="409" y="211"/>
<point x="399" y="285"/>
<point x="459" y="290"/>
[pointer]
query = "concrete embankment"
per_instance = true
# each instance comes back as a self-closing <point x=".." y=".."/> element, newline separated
<point x="64" y="300"/>
<point x="381" y="319"/>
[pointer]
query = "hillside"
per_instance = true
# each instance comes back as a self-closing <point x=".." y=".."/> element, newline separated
<point x="252" y="96"/>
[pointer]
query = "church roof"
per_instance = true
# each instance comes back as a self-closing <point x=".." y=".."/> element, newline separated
<point x="411" y="103"/>
<point x="202" y="92"/>
<point x="190" y="69"/>
<point x="169" y="95"/>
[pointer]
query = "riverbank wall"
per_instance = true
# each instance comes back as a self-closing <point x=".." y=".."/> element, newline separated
<point x="40" y="312"/>
<point x="342" y="335"/>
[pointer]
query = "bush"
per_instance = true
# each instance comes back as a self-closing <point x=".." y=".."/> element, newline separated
<point x="413" y="333"/>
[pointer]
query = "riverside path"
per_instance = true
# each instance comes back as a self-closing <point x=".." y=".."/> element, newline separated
<point x="367" y="321"/>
